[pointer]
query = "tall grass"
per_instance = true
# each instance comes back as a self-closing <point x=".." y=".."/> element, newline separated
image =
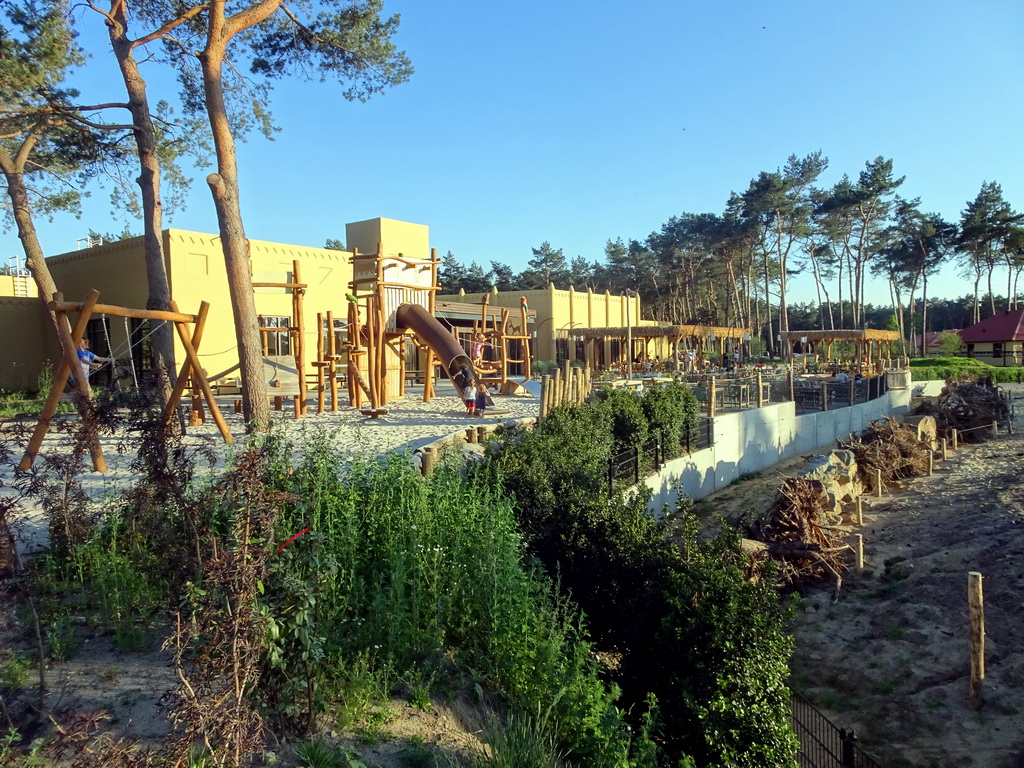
<point x="403" y="572"/>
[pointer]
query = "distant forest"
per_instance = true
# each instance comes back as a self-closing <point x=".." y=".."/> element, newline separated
<point x="733" y="268"/>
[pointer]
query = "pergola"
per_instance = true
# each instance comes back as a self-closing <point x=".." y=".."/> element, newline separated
<point x="868" y="342"/>
<point x="697" y="334"/>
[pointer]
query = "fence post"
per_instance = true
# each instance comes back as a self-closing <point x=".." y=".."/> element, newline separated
<point x="636" y="465"/>
<point x="824" y="396"/>
<point x="760" y="391"/>
<point x="976" y="617"/>
<point x="849" y="740"/>
<point x="711" y="396"/>
<point x="853" y="392"/>
<point x="789" y="376"/>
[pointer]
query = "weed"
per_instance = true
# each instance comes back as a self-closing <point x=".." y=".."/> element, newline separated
<point x="62" y="638"/>
<point x="316" y="754"/>
<point x="14" y="671"/>
<point x="894" y="633"/>
<point x="372" y="730"/>
<point x="744" y="477"/>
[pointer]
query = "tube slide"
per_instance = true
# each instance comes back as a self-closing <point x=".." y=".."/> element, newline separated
<point x="449" y="351"/>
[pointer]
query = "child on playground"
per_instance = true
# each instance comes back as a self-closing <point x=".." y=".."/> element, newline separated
<point x="481" y="399"/>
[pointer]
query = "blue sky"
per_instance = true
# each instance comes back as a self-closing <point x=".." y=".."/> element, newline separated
<point x="578" y="122"/>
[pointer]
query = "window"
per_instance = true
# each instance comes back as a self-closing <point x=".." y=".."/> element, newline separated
<point x="276" y="342"/>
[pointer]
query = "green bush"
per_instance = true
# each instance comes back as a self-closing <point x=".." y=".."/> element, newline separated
<point x="405" y="573"/>
<point x="628" y="422"/>
<point x="707" y="644"/>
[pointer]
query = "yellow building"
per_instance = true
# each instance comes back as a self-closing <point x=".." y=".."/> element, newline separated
<point x="560" y="312"/>
<point x="195" y="268"/>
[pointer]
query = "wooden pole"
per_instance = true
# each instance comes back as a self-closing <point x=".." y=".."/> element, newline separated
<point x="545" y="391"/>
<point x="995" y="429"/>
<point x="931" y="463"/>
<point x="976" y="616"/>
<point x="945" y="454"/>
<point x="300" y="340"/>
<point x="320" y="379"/>
<point x="760" y="391"/>
<point x="69" y="366"/>
<point x="188" y="341"/>
<point x="859" y="548"/>
<point x="956" y="441"/>
<point x="427" y="458"/>
<point x="186" y="367"/>
<point x="711" y="397"/>
<point x="860" y="510"/>
<point x="789" y="376"/>
<point x="878" y="483"/>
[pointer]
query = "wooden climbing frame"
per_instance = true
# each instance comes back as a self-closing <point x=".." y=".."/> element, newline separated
<point x="69" y="339"/>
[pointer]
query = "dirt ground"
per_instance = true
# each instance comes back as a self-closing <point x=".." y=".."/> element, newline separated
<point x="890" y="658"/>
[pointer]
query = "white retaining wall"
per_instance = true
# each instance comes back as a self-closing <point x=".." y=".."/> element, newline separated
<point x="749" y="441"/>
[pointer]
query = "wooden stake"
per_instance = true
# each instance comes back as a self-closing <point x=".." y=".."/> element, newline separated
<point x="860" y="510"/>
<point x="956" y="442"/>
<point x="976" y="616"/>
<point x="545" y="391"/>
<point x="995" y="429"/>
<point x="945" y="453"/>
<point x="427" y="459"/>
<point x="878" y="483"/>
<point x="931" y="463"/>
<point x="859" y="548"/>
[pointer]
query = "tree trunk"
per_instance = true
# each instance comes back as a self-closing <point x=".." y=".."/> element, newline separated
<point x="224" y="187"/>
<point x="35" y="261"/>
<point x="152" y="206"/>
<point x="924" y="314"/>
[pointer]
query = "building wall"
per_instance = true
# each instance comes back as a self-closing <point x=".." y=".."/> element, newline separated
<point x="561" y="311"/>
<point x="1010" y="352"/>
<point x="18" y="285"/>
<point x="398" y="237"/>
<point x="196" y="271"/>
<point x="26" y="353"/>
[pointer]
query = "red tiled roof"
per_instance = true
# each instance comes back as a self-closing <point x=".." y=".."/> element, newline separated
<point x="1006" y="326"/>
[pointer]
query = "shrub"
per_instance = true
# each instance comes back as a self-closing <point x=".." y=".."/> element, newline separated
<point x="709" y="646"/>
<point x="628" y="422"/>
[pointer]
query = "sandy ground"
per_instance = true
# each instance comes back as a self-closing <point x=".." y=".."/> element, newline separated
<point x="891" y="658"/>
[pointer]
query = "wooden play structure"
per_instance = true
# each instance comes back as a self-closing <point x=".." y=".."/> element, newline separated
<point x="190" y="333"/>
<point x="283" y="373"/>
<point x="391" y="298"/>
<point x="498" y="339"/>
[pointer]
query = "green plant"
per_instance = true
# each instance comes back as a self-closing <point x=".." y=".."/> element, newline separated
<point x="316" y="754"/>
<point x="14" y="671"/>
<point x="62" y="638"/>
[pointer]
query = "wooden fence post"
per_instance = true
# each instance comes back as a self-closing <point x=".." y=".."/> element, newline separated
<point x="976" y="616"/>
<point x="956" y="441"/>
<point x="995" y="429"/>
<point x="711" y="397"/>
<point x="859" y="549"/>
<point x="945" y="453"/>
<point x="760" y="391"/>
<point x="878" y="483"/>
<point x="860" y="510"/>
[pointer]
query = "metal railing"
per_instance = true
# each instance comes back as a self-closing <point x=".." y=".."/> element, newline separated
<point x="633" y="463"/>
<point x="823" y="744"/>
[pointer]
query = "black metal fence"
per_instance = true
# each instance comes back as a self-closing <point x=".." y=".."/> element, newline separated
<point x="822" y="743"/>
<point x="633" y="463"/>
<point x="829" y="395"/>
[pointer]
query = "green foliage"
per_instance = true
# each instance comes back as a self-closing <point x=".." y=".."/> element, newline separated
<point x="628" y="422"/>
<point x="949" y="343"/>
<point x="672" y="412"/>
<point x="398" y="573"/>
<point x="706" y="643"/>
<point x="946" y="368"/>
